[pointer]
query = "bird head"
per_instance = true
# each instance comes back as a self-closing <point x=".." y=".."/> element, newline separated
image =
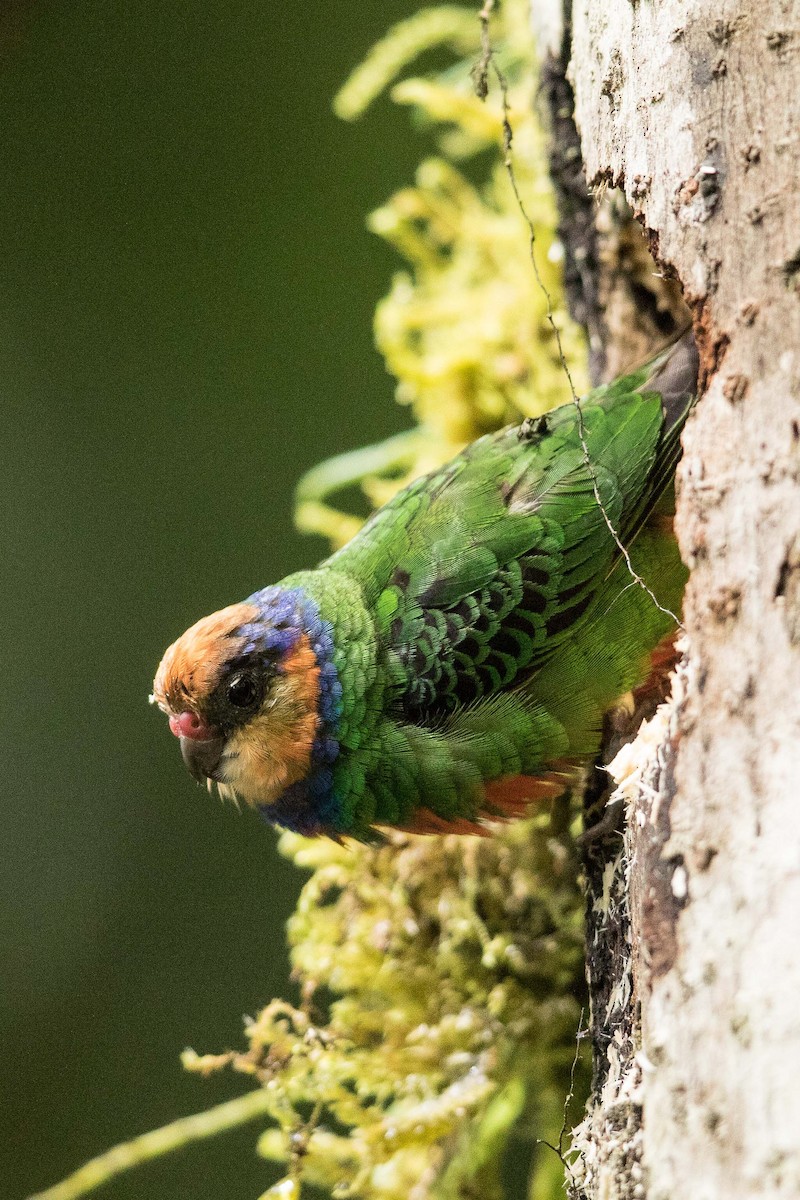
<point x="241" y="689"/>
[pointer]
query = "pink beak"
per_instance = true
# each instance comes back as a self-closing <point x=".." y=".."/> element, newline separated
<point x="201" y="745"/>
<point x="189" y="725"/>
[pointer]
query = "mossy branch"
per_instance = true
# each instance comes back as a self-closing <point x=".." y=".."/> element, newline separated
<point x="157" y="1143"/>
<point x="441" y="979"/>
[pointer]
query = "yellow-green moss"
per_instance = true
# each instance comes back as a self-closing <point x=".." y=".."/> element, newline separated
<point x="439" y="1001"/>
<point x="464" y="328"/>
<point x="440" y="977"/>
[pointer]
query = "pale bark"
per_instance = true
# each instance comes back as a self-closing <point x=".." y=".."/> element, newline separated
<point x="693" y="109"/>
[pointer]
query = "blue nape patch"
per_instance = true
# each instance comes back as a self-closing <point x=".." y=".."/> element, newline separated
<point x="309" y="805"/>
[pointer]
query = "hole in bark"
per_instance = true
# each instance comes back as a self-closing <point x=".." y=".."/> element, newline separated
<point x="790" y="268"/>
<point x="783" y="579"/>
<point x="648" y="302"/>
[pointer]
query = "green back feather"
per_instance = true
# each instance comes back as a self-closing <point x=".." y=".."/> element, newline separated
<point x="503" y="620"/>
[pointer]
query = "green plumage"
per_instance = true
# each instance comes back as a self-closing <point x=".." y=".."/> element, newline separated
<point x="485" y="619"/>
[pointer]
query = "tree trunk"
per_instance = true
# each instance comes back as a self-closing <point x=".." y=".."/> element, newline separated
<point x="693" y="109"/>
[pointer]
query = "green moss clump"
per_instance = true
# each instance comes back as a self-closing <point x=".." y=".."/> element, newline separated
<point x="439" y="980"/>
<point x="465" y="327"/>
<point x="440" y="977"/>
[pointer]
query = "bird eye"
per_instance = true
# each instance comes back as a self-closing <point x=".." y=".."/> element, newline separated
<point x="243" y="691"/>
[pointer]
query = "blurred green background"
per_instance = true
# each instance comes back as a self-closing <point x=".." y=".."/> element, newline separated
<point x="187" y="290"/>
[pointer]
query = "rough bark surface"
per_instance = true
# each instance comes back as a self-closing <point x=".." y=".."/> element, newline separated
<point x="626" y="306"/>
<point x="693" y="109"/>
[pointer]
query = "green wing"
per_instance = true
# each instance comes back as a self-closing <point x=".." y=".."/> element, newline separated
<point x="478" y="572"/>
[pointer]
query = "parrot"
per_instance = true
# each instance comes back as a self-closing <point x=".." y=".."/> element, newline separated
<point x="451" y="665"/>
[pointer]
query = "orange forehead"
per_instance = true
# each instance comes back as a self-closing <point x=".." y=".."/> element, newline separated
<point x="191" y="667"/>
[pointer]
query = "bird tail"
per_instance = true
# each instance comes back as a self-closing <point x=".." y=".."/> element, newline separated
<point x="674" y="374"/>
